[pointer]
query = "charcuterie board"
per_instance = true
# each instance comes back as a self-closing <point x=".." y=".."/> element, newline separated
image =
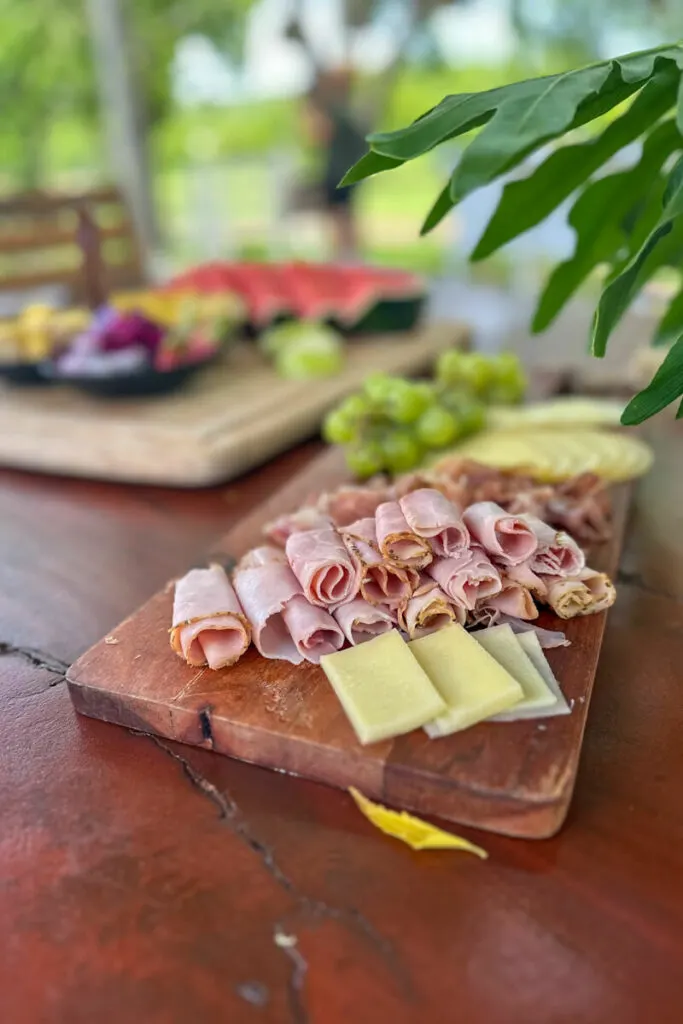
<point x="229" y="419"/>
<point x="514" y="778"/>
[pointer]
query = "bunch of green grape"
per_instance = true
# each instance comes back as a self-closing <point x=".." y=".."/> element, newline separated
<point x="393" y="423"/>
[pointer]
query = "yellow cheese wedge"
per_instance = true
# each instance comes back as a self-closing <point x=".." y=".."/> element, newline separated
<point x="471" y="682"/>
<point x="502" y="644"/>
<point x="382" y="688"/>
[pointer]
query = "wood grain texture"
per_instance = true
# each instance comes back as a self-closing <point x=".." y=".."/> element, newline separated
<point x="229" y="419"/>
<point x="515" y="778"/>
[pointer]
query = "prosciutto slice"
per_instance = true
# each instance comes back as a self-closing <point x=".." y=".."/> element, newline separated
<point x="313" y="629"/>
<point x="361" y="621"/>
<point x="328" y="573"/>
<point x="265" y="585"/>
<point x="429" y="609"/>
<point x="209" y="626"/>
<point x="557" y="554"/>
<point x="432" y="516"/>
<point x="347" y="504"/>
<point x="397" y="542"/>
<point x="582" y="507"/>
<point x="382" y="583"/>
<point x="508" y="539"/>
<point x="307" y="518"/>
<point x="469" y="579"/>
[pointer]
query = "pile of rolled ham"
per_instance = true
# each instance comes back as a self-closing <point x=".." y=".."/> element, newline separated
<point x="417" y="563"/>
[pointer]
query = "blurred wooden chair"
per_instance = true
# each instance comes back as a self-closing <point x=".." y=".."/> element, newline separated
<point x="66" y="248"/>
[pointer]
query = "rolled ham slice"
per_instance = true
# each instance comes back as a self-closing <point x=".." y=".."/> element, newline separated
<point x="585" y="594"/>
<point x="313" y="629"/>
<point x="429" y="609"/>
<point x="397" y="542"/>
<point x="265" y="585"/>
<point x="382" y="583"/>
<point x="209" y="626"/>
<point x="568" y="597"/>
<point x="432" y="516"/>
<point x="526" y="577"/>
<point x="557" y="554"/>
<point x="514" y="599"/>
<point x="508" y="539"/>
<point x="469" y="579"/>
<point x="328" y="573"/>
<point x="307" y="518"/>
<point x="361" y="621"/>
<point x="602" y="590"/>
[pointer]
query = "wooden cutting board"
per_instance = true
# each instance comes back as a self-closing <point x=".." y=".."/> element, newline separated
<point x="516" y="778"/>
<point x="229" y="419"/>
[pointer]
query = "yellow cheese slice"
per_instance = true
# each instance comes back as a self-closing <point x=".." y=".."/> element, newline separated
<point x="502" y="644"/>
<point x="471" y="682"/>
<point x="556" y="413"/>
<point x="382" y="688"/>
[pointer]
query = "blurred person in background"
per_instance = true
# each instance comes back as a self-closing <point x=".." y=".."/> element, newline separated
<point x="331" y="124"/>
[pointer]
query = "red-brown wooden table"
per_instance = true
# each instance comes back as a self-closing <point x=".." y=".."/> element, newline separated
<point x="146" y="882"/>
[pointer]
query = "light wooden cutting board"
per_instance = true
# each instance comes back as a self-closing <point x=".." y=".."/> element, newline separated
<point x="229" y="419"/>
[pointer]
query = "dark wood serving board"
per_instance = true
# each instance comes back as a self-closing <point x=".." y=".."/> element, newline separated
<point x="515" y="778"/>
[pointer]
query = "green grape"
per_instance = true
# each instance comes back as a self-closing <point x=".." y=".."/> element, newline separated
<point x="448" y="366"/>
<point x="472" y="418"/>
<point x="406" y="402"/>
<point x="365" y="460"/>
<point x="437" y="427"/>
<point x="356" y="408"/>
<point x="471" y="370"/>
<point x="378" y="387"/>
<point x="338" y="428"/>
<point x="309" y="358"/>
<point x="400" y="451"/>
<point x="510" y="381"/>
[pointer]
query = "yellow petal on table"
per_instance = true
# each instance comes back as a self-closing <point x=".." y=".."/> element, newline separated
<point x="418" y="834"/>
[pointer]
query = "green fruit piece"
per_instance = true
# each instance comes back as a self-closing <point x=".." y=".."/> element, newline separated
<point x="365" y="460"/>
<point x="401" y="451"/>
<point x="378" y="386"/>
<point x="338" y="428"/>
<point x="309" y="358"/>
<point x="406" y="402"/>
<point x="448" y="366"/>
<point x="437" y="427"/>
<point x="472" y="418"/>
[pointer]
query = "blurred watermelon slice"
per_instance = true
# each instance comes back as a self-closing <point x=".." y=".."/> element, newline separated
<point x="352" y="297"/>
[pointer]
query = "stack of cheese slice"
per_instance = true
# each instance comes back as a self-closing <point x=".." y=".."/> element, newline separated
<point x="444" y="682"/>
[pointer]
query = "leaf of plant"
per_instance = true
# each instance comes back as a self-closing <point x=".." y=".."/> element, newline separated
<point x="598" y="216"/>
<point x="454" y="116"/>
<point x="525" y="203"/>
<point x="618" y="295"/>
<point x="671" y="324"/>
<point x="370" y="163"/>
<point x="665" y="387"/>
<point x="443" y="205"/>
<point x="518" y="128"/>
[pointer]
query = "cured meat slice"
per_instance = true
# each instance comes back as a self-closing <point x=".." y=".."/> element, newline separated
<point x="508" y="539"/>
<point x="582" y="507"/>
<point x="313" y="630"/>
<point x="432" y="516"/>
<point x="557" y="554"/>
<point x="602" y="590"/>
<point x="396" y="540"/>
<point x="306" y="518"/>
<point x="209" y="626"/>
<point x="525" y="575"/>
<point x="348" y="504"/>
<point x="429" y="609"/>
<point x="360" y="538"/>
<point x="382" y="582"/>
<point x="514" y="599"/>
<point x="584" y="594"/>
<point x="361" y="621"/>
<point x="265" y="585"/>
<point x="328" y="573"/>
<point x="469" y="579"/>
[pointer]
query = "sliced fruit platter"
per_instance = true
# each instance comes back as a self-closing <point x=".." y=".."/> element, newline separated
<point x="354" y="299"/>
